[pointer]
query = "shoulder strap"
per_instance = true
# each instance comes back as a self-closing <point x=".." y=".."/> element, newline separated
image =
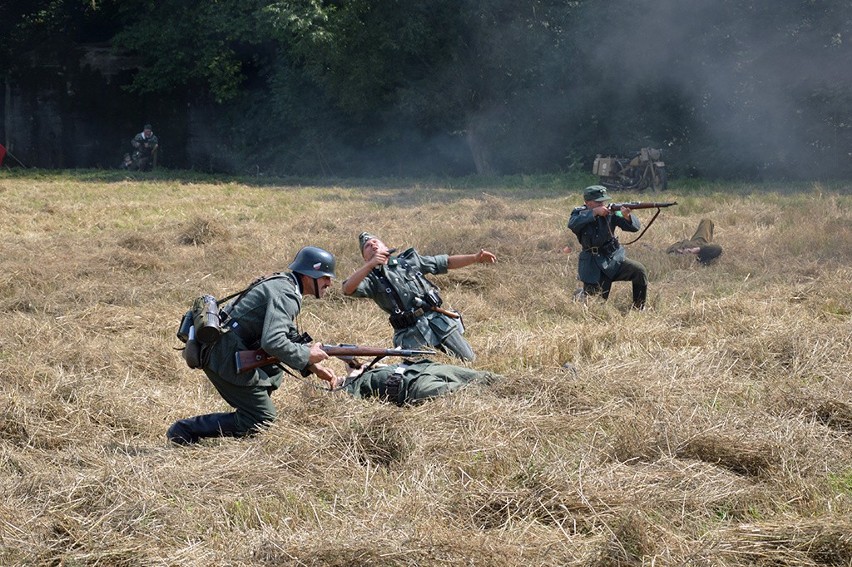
<point x="385" y="281"/>
<point x="251" y="286"/>
<point x="646" y="228"/>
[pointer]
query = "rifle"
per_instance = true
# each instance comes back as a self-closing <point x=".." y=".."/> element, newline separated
<point x="636" y="205"/>
<point x="250" y="359"/>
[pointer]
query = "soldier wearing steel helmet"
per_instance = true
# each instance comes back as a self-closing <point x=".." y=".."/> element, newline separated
<point x="602" y="258"/>
<point x="262" y="316"/>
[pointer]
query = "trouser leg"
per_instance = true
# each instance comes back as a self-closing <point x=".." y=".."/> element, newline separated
<point x="704" y="232"/>
<point x="454" y="344"/>
<point x="631" y="271"/>
<point x="603" y="288"/>
<point x="253" y="403"/>
<point x="635" y="273"/>
<point x="439" y="379"/>
<point x="193" y="429"/>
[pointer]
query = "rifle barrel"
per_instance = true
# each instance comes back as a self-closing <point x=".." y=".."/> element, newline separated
<point x="250" y="359"/>
<point x="642" y="205"/>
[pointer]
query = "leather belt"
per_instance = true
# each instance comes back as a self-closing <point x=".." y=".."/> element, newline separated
<point x="604" y="249"/>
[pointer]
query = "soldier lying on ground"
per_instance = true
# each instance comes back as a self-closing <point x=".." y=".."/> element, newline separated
<point x="701" y="244"/>
<point x="410" y="382"/>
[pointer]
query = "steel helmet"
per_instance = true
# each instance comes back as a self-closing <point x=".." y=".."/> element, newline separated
<point x="313" y="262"/>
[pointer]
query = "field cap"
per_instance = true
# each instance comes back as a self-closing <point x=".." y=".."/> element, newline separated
<point x="595" y="193"/>
<point x="146" y="127"/>
<point x="363" y="238"/>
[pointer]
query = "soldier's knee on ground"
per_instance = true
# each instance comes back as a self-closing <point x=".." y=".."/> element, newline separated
<point x="193" y="429"/>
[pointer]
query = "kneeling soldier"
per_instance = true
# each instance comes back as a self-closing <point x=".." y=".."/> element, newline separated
<point x="603" y="259"/>
<point x="262" y="316"/>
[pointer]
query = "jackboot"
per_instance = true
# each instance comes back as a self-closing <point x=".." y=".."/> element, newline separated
<point x="192" y="429"/>
<point x="640" y="295"/>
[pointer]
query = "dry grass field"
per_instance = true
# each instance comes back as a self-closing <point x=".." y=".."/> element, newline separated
<point x="714" y="429"/>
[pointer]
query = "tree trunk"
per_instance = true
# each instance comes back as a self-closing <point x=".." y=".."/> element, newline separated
<point x="479" y="152"/>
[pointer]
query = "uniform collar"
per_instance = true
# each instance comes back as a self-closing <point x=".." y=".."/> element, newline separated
<point x="296" y="283"/>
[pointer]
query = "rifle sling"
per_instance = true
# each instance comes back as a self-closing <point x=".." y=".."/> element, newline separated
<point x="645" y="229"/>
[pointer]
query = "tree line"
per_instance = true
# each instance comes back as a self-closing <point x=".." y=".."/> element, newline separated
<point x="727" y="89"/>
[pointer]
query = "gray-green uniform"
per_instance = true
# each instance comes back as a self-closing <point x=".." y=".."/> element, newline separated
<point x="145" y="144"/>
<point x="263" y="316"/>
<point x="603" y="259"/>
<point x="400" y="289"/>
<point x="410" y="382"/>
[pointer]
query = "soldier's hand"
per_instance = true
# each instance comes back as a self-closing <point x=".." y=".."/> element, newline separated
<point x="601" y="211"/>
<point x="317" y="354"/>
<point x="625" y="212"/>
<point x="485" y="257"/>
<point x="380" y="258"/>
<point x="323" y="373"/>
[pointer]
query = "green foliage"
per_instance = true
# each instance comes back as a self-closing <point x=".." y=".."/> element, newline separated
<point x="199" y="44"/>
<point x="730" y="89"/>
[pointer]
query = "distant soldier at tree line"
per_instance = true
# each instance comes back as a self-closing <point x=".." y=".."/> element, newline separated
<point x="145" y="145"/>
<point x="397" y="285"/>
<point x="602" y="259"/>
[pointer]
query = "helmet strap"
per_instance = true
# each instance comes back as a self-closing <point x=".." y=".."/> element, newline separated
<point x="298" y="279"/>
<point x="316" y="287"/>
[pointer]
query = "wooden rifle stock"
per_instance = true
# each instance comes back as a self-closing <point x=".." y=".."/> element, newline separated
<point x="250" y="359"/>
<point x="638" y="205"/>
<point x="447" y="312"/>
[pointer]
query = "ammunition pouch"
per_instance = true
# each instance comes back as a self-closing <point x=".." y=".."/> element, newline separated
<point x="392" y="388"/>
<point x="393" y="385"/>
<point x="300" y="338"/>
<point x="405" y="319"/>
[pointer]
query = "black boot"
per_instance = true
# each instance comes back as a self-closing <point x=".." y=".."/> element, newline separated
<point x="191" y="429"/>
<point x="640" y="295"/>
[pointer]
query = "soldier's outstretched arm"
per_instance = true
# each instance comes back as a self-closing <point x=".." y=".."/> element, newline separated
<point x="462" y="260"/>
